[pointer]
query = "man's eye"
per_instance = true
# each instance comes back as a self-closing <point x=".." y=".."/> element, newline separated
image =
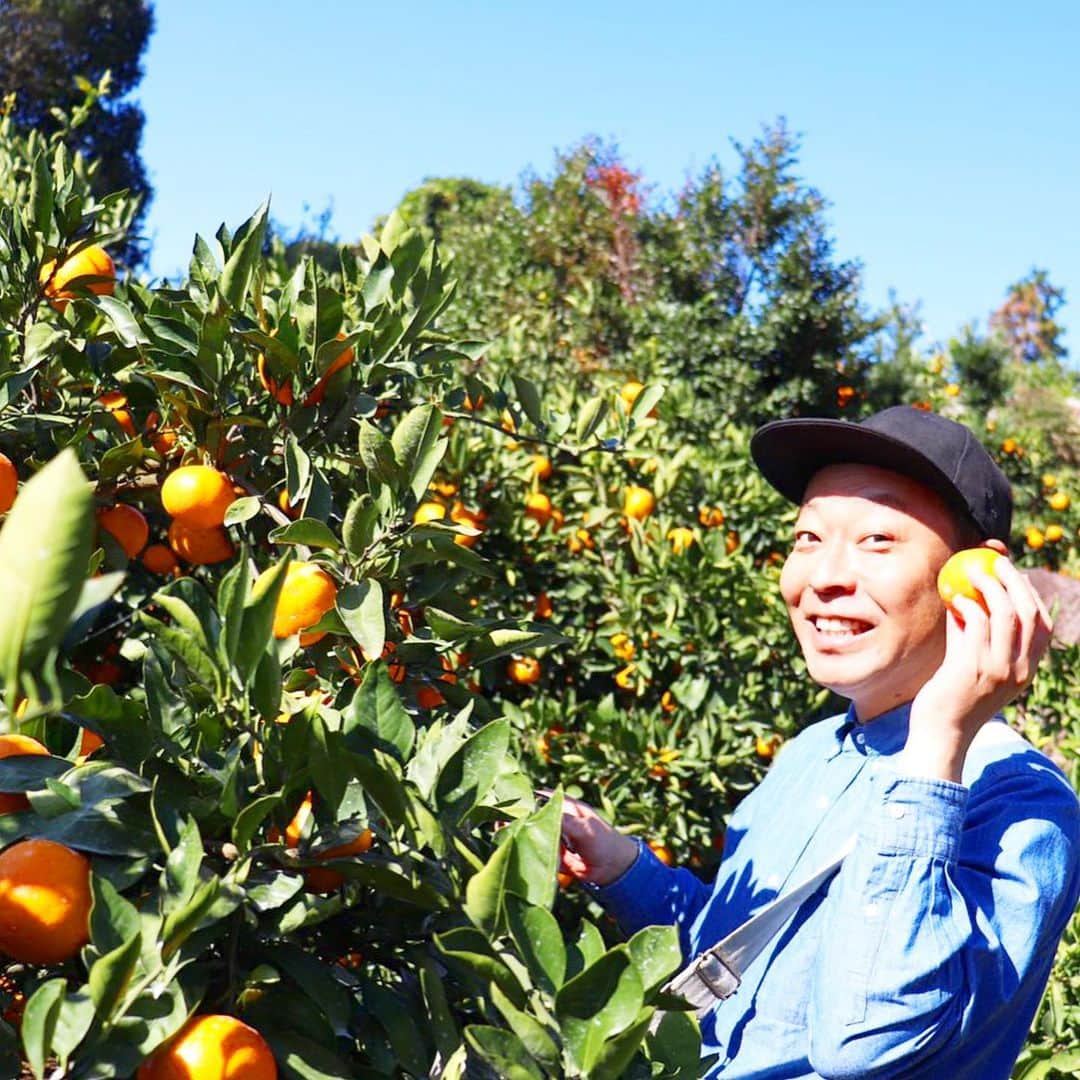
<point x="804" y="537"/>
<point x="878" y="538"/>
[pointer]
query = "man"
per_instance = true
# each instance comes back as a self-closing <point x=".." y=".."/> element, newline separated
<point x="927" y="953"/>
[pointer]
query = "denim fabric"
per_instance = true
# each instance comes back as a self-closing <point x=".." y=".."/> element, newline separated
<point x="927" y="954"/>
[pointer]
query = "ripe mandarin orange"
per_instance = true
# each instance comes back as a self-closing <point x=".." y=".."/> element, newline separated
<point x="44" y="902"/>
<point x="200" y="547"/>
<point x="524" y="670"/>
<point x="126" y="526"/>
<point x="681" y="538"/>
<point x="281" y="392"/>
<point x="197" y="495"/>
<point x="318" y="879"/>
<point x="15" y="745"/>
<point x="9" y="483"/>
<point x="542" y="467"/>
<point x="1054" y="533"/>
<point x="319" y="391"/>
<point x="1059" y="501"/>
<point x="538" y="507"/>
<point x="307" y="594"/>
<point x="92" y="261"/>
<point x="429" y="511"/>
<point x="211" y="1047"/>
<point x="159" y="559"/>
<point x="638" y="502"/>
<point x="954" y="578"/>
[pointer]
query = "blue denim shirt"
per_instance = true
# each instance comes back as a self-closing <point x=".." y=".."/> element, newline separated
<point x="927" y="954"/>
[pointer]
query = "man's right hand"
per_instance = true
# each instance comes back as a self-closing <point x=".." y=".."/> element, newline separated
<point x="592" y="849"/>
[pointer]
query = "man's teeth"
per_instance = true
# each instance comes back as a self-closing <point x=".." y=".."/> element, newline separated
<point x="839" y="626"/>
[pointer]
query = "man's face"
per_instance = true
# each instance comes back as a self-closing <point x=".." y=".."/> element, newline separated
<point x="861" y="584"/>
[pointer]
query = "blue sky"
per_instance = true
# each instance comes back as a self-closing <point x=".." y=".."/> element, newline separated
<point x="943" y="135"/>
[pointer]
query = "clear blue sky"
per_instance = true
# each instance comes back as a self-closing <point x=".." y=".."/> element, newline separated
<point x="944" y="135"/>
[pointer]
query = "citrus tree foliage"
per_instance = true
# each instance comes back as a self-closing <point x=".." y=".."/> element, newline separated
<point x="51" y="53"/>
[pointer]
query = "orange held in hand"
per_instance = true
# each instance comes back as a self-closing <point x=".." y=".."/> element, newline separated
<point x="955" y="576"/>
<point x="212" y="1047"/>
<point x="197" y="495"/>
<point x="44" y="902"/>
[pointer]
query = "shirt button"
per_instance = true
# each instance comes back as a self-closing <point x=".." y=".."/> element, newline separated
<point x="860" y="738"/>
<point x="896" y="811"/>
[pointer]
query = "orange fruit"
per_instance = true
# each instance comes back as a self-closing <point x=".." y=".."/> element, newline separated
<point x="200" y="547"/>
<point x="319" y="879"/>
<point x="126" y="526"/>
<point x="211" y="1047"/>
<point x="629" y="393"/>
<point x="543" y="608"/>
<point x="287" y="508"/>
<point x="281" y="392"/>
<point x="731" y="542"/>
<point x="538" y="507"/>
<point x="581" y="541"/>
<point x="1034" y="538"/>
<point x="1059" y="501"/>
<point x="952" y="390"/>
<point x="954" y="578"/>
<point x="624" y="679"/>
<point x="15" y="745"/>
<point x="681" y="538"/>
<point x="1049" y="480"/>
<point x="307" y="594"/>
<point x="766" y="746"/>
<point x="622" y="646"/>
<point x="662" y="852"/>
<point x="541" y="467"/>
<point x="471" y="519"/>
<point x="91" y="261"/>
<point x="116" y="402"/>
<point x="638" y="502"/>
<point x="427" y="697"/>
<point x="319" y="391"/>
<point x="197" y="495"/>
<point x="164" y="440"/>
<point x="89" y="741"/>
<point x="711" y="516"/>
<point x="1009" y="446"/>
<point x="1054" y="533"/>
<point x="429" y="511"/>
<point x="44" y="902"/>
<point x="9" y="483"/>
<point x="159" y="559"/>
<point x="524" y="670"/>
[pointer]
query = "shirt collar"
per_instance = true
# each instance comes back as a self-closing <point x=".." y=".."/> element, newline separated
<point x="884" y="735"/>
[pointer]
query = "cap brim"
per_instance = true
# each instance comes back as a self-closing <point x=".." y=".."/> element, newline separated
<point x="789" y="452"/>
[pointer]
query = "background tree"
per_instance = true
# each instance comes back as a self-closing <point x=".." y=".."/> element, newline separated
<point x="50" y="51"/>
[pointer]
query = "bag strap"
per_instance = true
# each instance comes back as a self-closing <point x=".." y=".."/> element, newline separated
<point x="715" y="973"/>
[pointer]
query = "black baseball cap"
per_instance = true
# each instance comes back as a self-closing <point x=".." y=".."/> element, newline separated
<point x="936" y="451"/>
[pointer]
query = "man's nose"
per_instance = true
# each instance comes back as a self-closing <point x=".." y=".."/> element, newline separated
<point x="833" y="569"/>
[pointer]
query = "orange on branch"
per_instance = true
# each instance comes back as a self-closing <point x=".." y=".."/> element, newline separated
<point x="127" y="526"/>
<point x="538" y="507"/>
<point x="200" y="547"/>
<point x="15" y="745"/>
<point x="9" y="483"/>
<point x="524" y="670"/>
<point x="197" y="495"/>
<point x="44" y="902"/>
<point x="1060" y="501"/>
<point x="62" y="283"/>
<point x="542" y="467"/>
<point x="307" y="594"/>
<point x="212" y="1047"/>
<point x="429" y="511"/>
<point x="318" y="393"/>
<point x="319" y="879"/>
<point x="638" y="502"/>
<point x="159" y="559"/>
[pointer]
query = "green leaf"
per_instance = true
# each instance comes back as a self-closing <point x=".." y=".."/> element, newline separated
<point x="306" y="1059"/>
<point x="44" y="551"/>
<point x="394" y="1016"/>
<point x="618" y="1052"/>
<point x="39" y="1023"/>
<point x="471" y="949"/>
<point x="258" y="620"/>
<point x="110" y="975"/>
<point x="595" y="1005"/>
<point x="503" y="1051"/>
<point x="507" y="640"/>
<point x="535" y="864"/>
<point x="676" y="1044"/>
<point x="361" y="609"/>
<point x="377" y="453"/>
<point x="414" y="437"/>
<point x="539" y="941"/>
<point x="184" y="921"/>
<point x="528" y="1029"/>
<point x="181" y="875"/>
<point x="467" y="777"/>
<point x="249" y="820"/>
<point x="307" y="532"/>
<point x="266" y="686"/>
<point x="645" y="402"/>
<point x="376" y="709"/>
<point x="359" y="526"/>
<point x="241" y="510"/>
<point x="200" y="664"/>
<point x="381" y="783"/>
<point x="247" y="249"/>
<point x="113" y="920"/>
<point x="656" y="954"/>
<point x="123" y="320"/>
<point x="529" y="397"/>
<point x="592" y="415"/>
<point x="41" y="194"/>
<point x="297" y="465"/>
<point x="485" y="892"/>
<point x="231" y="598"/>
<point x="376" y="286"/>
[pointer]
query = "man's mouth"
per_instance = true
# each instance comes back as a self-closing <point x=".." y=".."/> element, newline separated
<point x="836" y="628"/>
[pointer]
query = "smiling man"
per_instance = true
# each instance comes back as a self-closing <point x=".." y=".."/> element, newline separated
<point x="926" y="953"/>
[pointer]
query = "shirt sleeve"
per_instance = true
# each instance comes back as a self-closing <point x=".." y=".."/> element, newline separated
<point x="652" y="894"/>
<point x="949" y="901"/>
